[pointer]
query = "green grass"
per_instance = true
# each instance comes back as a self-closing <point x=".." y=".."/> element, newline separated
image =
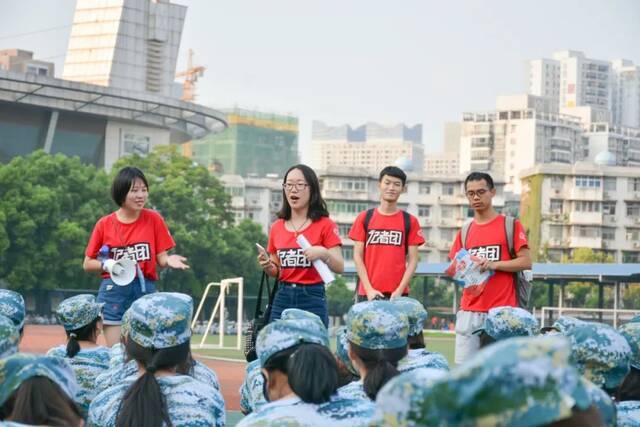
<point x="440" y="342"/>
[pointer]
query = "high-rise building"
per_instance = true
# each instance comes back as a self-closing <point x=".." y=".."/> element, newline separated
<point x="446" y="163"/>
<point x="587" y="205"/>
<point x="125" y="44"/>
<point x="625" y="106"/>
<point x="524" y="130"/>
<point x="255" y="143"/>
<point x="452" y="133"/>
<point x="22" y="61"/>
<point x="371" y="146"/>
<point x="544" y="78"/>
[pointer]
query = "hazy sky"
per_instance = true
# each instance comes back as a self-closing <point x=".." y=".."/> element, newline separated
<point x="345" y="61"/>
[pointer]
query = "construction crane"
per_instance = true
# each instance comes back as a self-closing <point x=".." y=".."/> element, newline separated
<point x="191" y="75"/>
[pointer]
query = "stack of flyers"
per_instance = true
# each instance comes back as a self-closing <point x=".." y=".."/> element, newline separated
<point x="465" y="271"/>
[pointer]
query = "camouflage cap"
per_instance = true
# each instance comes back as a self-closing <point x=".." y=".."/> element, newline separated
<point x="600" y="353"/>
<point x="283" y="334"/>
<point x="635" y="319"/>
<point x="507" y="322"/>
<point x="78" y="311"/>
<point x="566" y="323"/>
<point x="523" y="381"/>
<point x="631" y="332"/>
<point x="160" y="320"/>
<point x="342" y="350"/>
<point x="9" y="337"/>
<point x="415" y="311"/>
<point x="12" y="306"/>
<point x="397" y="401"/>
<point x="377" y="325"/>
<point x="628" y="413"/>
<point x="296" y="313"/>
<point x="20" y="367"/>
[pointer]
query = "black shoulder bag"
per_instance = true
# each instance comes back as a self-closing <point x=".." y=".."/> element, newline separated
<point x="260" y="318"/>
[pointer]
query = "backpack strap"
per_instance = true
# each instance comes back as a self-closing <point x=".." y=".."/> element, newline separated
<point x="407" y="230"/>
<point x="365" y="223"/>
<point x="510" y="229"/>
<point x="464" y="232"/>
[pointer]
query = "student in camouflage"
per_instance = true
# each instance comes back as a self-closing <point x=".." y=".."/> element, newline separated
<point x="12" y="306"/>
<point x="418" y="356"/>
<point x="9" y="337"/>
<point x="158" y="337"/>
<point x="628" y="393"/>
<point x="80" y="317"/>
<point x="300" y="377"/>
<point x="49" y="381"/>
<point x="524" y="381"/>
<point x="602" y="355"/>
<point x="377" y="333"/>
<point x="507" y="322"/>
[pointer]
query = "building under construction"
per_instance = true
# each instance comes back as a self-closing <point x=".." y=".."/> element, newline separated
<point x="255" y="143"/>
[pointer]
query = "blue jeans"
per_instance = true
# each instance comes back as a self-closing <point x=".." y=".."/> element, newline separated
<point x="118" y="299"/>
<point x="310" y="298"/>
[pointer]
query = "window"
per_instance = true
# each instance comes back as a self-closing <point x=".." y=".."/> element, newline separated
<point x="135" y="144"/>
<point x="343" y="229"/>
<point x="555" y="206"/>
<point x="424" y="211"/>
<point x="346" y="207"/>
<point x="587" y="206"/>
<point x="446" y="212"/>
<point x="424" y="188"/>
<point x="609" y="208"/>
<point x="347" y="253"/>
<point x="608" y="233"/>
<point x="556" y="182"/>
<point x="633" y="209"/>
<point x="633" y="234"/>
<point x="448" y="189"/>
<point x="588" y="181"/>
<point x="631" y="257"/>
<point x="447" y="234"/>
<point x="276" y="197"/>
<point x="634" y="184"/>
<point x="348" y="185"/>
<point x="426" y="231"/>
<point x="609" y="184"/>
<point x="555" y="231"/>
<point x="585" y="231"/>
<point x="235" y="191"/>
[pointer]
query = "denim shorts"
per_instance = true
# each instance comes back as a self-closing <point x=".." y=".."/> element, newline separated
<point x="310" y="298"/>
<point x="117" y="299"/>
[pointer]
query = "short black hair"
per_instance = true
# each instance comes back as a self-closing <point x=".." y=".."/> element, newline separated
<point x="479" y="176"/>
<point x="123" y="182"/>
<point x="395" y="172"/>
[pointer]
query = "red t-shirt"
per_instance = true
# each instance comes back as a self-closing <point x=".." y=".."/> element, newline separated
<point x="294" y="266"/>
<point x="490" y="241"/>
<point x="140" y="240"/>
<point x="384" y="255"/>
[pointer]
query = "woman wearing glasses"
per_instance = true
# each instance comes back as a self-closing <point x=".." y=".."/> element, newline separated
<point x="303" y="212"/>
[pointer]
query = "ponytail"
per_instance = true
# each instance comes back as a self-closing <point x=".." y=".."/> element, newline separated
<point x="88" y="332"/>
<point x="143" y="404"/>
<point x="313" y="373"/>
<point x="381" y="366"/>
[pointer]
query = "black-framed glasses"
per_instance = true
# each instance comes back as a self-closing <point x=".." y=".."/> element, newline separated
<point x="472" y="194"/>
<point x="288" y="186"/>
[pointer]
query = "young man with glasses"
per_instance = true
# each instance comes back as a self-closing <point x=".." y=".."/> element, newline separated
<point x="386" y="241"/>
<point x="486" y="238"/>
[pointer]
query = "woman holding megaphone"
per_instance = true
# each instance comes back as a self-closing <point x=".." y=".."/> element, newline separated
<point x="126" y="247"/>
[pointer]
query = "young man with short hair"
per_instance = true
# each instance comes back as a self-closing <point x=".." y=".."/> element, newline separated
<point x="487" y="239"/>
<point x="386" y="242"/>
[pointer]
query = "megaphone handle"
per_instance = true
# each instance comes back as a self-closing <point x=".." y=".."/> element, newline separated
<point x="143" y="285"/>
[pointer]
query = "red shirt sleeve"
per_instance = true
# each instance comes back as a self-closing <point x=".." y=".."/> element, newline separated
<point x="457" y="245"/>
<point x="330" y="234"/>
<point x="520" y="237"/>
<point x="271" y="245"/>
<point x="164" y="241"/>
<point x="416" y="238"/>
<point x="96" y="240"/>
<point x="357" y="229"/>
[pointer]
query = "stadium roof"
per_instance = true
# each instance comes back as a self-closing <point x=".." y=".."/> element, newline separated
<point x="548" y="271"/>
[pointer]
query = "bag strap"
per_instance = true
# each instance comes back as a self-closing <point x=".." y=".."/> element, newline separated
<point x="407" y="230"/>
<point x="263" y="280"/>
<point x="510" y="230"/>
<point x="365" y="223"/>
<point x="464" y="232"/>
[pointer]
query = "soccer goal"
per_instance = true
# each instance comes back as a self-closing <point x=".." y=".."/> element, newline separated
<point x="219" y="309"/>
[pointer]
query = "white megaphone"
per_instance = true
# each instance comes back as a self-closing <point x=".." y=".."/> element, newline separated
<point x="122" y="272"/>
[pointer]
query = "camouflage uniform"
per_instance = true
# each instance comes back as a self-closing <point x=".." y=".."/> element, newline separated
<point x="289" y="412"/>
<point x="600" y="353"/>
<point x="162" y="320"/>
<point x="629" y="413"/>
<point x="12" y="306"/>
<point x="251" y="391"/>
<point x="602" y="401"/>
<point x="631" y="332"/>
<point x="422" y="358"/>
<point x="507" y="322"/>
<point x="9" y="337"/>
<point x="347" y="412"/>
<point x="353" y="390"/>
<point x="20" y="367"/>
<point x="523" y="381"/>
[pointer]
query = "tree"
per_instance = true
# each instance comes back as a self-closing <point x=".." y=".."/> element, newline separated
<point x="48" y="205"/>
<point x="582" y="294"/>
<point x="339" y="297"/>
